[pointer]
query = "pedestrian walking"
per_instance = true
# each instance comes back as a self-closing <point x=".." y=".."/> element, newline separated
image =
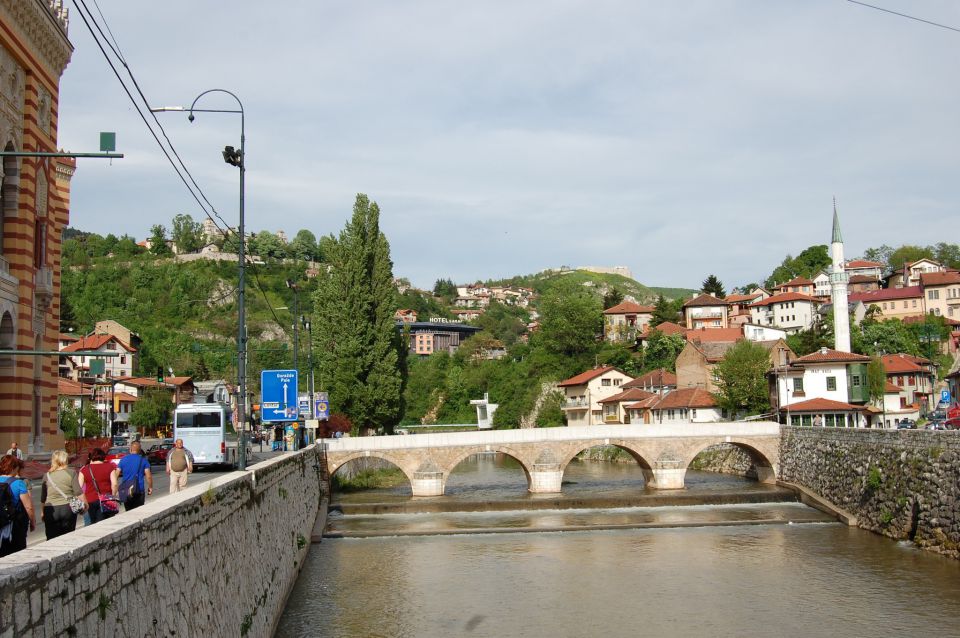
<point x="179" y="465"/>
<point x="99" y="482"/>
<point x="15" y="450"/>
<point x="136" y="480"/>
<point x="60" y="487"/>
<point x="16" y="507"/>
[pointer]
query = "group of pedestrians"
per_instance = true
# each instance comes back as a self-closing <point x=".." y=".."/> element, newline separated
<point x="96" y="491"/>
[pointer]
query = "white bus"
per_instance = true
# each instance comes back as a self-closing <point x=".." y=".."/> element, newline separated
<point x="207" y="431"/>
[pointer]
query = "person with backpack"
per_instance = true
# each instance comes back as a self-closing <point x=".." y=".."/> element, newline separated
<point x="99" y="482"/>
<point x="16" y="507"/>
<point x="60" y="487"/>
<point x="136" y="480"/>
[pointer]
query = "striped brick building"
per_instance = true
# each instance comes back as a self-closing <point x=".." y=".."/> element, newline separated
<point x="34" y="205"/>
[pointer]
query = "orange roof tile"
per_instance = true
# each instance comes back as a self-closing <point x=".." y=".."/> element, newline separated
<point x="890" y="388"/>
<point x="886" y="294"/>
<point x="705" y="300"/>
<point x="69" y="387"/>
<point x="863" y="263"/>
<point x="654" y="378"/>
<point x="631" y="394"/>
<point x="628" y="308"/>
<point x="796" y="281"/>
<point x="939" y="278"/>
<point x="646" y="403"/>
<point x="686" y="398"/>
<point x="821" y="405"/>
<point x="830" y="356"/>
<point x="667" y="328"/>
<point x="901" y="363"/>
<point x="732" y="299"/>
<point x="95" y="342"/>
<point x="587" y="376"/>
<point x="783" y="297"/>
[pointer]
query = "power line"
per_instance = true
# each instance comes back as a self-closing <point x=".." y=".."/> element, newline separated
<point x="87" y="19"/>
<point x="904" y="15"/>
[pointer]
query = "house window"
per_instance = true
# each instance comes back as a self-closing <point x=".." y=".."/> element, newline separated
<point x="933" y="294"/>
<point x="832" y="384"/>
<point x="910" y="380"/>
<point x="855" y="380"/>
<point x="884" y="305"/>
<point x="914" y="303"/>
<point x="693" y="413"/>
<point x="605" y="382"/>
<point x="900" y="381"/>
<point x="798" y="384"/>
<point x="617" y="381"/>
<point x="123" y="359"/>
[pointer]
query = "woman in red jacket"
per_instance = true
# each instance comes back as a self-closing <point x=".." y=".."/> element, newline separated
<point x="98" y="480"/>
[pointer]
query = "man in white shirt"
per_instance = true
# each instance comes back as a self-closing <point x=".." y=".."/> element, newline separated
<point x="15" y="451"/>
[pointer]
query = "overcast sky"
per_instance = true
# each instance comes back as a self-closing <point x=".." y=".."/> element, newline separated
<point x="678" y="138"/>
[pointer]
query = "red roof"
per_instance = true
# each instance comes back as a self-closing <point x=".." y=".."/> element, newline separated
<point x="863" y="263"/>
<point x="715" y="334"/>
<point x="796" y="281"/>
<point x="646" y="403"/>
<point x="654" y="378"/>
<point x="783" y="297"/>
<point x="830" y="356"/>
<point x="632" y="394"/>
<point x="69" y="387"/>
<point x="589" y="375"/>
<point x="667" y="328"/>
<point x="886" y="294"/>
<point x="900" y="363"/>
<point x="821" y="405"/>
<point x="890" y="388"/>
<point x="628" y="308"/>
<point x="95" y="342"/>
<point x="863" y="279"/>
<point x="686" y="398"/>
<point x="125" y="397"/>
<point x="705" y="300"/>
<point x="939" y="278"/>
<point x="733" y="299"/>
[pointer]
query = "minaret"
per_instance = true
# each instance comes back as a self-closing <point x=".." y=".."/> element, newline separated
<point x="838" y="288"/>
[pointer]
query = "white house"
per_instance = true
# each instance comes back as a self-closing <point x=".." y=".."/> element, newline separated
<point x="686" y="405"/>
<point x="756" y="332"/>
<point x="584" y="392"/>
<point x="790" y="311"/>
<point x="706" y="311"/>
<point x="625" y="320"/>
<point x="835" y="376"/>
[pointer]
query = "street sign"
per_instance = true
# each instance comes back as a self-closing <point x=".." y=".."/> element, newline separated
<point x="322" y="412"/>
<point x="303" y="404"/>
<point x="944" y="396"/>
<point x="278" y="395"/>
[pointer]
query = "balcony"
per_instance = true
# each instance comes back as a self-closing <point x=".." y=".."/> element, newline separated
<point x="576" y="404"/>
<point x="43" y="284"/>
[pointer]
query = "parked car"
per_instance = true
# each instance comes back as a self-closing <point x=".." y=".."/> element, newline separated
<point x="952" y="424"/>
<point x="157" y="454"/>
<point x="114" y="454"/>
<point x="907" y="424"/>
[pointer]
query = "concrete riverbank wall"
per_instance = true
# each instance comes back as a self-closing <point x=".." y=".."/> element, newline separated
<point x="218" y="559"/>
<point x="904" y="484"/>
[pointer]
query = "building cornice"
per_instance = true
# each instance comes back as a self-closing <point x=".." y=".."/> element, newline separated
<point x="43" y="26"/>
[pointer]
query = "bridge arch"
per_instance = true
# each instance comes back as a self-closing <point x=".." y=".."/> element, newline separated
<point x="632" y="448"/>
<point x="382" y="456"/>
<point x="764" y="456"/>
<point x="506" y="450"/>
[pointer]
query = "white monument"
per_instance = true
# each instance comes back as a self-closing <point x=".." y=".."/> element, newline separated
<point x="838" y="288"/>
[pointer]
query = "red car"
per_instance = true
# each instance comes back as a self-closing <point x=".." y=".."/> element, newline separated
<point x="157" y="454"/>
<point x="114" y="454"/>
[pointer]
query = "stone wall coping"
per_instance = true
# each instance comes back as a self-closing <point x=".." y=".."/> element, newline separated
<point x="572" y="433"/>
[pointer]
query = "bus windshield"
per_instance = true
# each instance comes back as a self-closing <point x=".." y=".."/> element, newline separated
<point x="198" y="420"/>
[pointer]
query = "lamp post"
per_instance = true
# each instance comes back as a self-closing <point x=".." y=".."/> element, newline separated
<point x="309" y="327"/>
<point x="234" y="158"/>
<point x="296" y="312"/>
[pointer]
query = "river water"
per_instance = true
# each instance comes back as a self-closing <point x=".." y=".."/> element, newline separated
<point x="496" y="561"/>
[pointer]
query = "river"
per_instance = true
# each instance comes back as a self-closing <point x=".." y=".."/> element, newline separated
<point x="496" y="561"/>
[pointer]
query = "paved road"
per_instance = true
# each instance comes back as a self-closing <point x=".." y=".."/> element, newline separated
<point x="161" y="487"/>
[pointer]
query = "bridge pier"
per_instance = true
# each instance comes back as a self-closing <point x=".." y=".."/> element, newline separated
<point x="666" y="478"/>
<point x="546" y="478"/>
<point x="427" y="484"/>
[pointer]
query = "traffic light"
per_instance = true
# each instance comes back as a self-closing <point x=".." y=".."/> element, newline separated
<point x="159" y="374"/>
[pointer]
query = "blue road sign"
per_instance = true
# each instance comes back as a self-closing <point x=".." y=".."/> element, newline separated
<point x="278" y="395"/>
<point x="944" y="396"/>
<point x="322" y="411"/>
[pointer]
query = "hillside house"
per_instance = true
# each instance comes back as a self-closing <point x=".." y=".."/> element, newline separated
<point x="584" y="392"/>
<point x="622" y="322"/>
<point x="827" y="374"/>
<point x="693" y="405"/>
<point x="659" y="382"/>
<point x="916" y="379"/>
<point x="705" y="311"/>
<point x="615" y="407"/>
<point x="122" y="364"/>
<point x="941" y="293"/>
<point x="791" y="311"/>
<point x="798" y="285"/>
<point x="892" y="303"/>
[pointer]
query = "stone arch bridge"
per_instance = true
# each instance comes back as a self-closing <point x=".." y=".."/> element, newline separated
<point x="663" y="451"/>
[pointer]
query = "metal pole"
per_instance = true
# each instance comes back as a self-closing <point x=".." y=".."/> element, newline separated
<point x="296" y="332"/>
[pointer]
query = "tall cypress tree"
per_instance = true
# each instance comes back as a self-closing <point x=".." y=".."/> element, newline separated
<point x="358" y="344"/>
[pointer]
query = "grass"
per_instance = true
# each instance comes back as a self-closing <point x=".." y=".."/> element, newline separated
<point x="370" y="480"/>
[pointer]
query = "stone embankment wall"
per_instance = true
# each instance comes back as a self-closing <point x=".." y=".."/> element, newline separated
<point x="904" y="484"/>
<point x="218" y="559"/>
<point x="725" y="459"/>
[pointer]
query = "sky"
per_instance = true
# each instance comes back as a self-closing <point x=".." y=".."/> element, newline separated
<point x="677" y="138"/>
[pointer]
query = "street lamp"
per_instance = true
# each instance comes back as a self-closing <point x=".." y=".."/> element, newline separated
<point x="309" y="327"/>
<point x="296" y="311"/>
<point x="236" y="158"/>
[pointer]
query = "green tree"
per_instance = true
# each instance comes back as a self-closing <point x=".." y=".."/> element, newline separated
<point x="880" y="255"/>
<point x="876" y="380"/>
<point x="889" y="336"/>
<point x="357" y="341"/>
<point x="713" y="286"/>
<point x="187" y="235"/>
<point x="664" y="310"/>
<point x="151" y="410"/>
<point x="741" y="379"/>
<point x="570" y="326"/>
<point x="947" y="254"/>
<point x="267" y="245"/>
<point x="158" y="240"/>
<point x="819" y="335"/>
<point x="907" y="254"/>
<point x="445" y="288"/>
<point x="661" y="350"/>
<point x="612" y="298"/>
<point x="304" y="246"/>
<point x="807" y="264"/>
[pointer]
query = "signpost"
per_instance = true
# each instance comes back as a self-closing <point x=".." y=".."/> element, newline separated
<point x="322" y="407"/>
<point x="278" y="395"/>
<point x="945" y="397"/>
